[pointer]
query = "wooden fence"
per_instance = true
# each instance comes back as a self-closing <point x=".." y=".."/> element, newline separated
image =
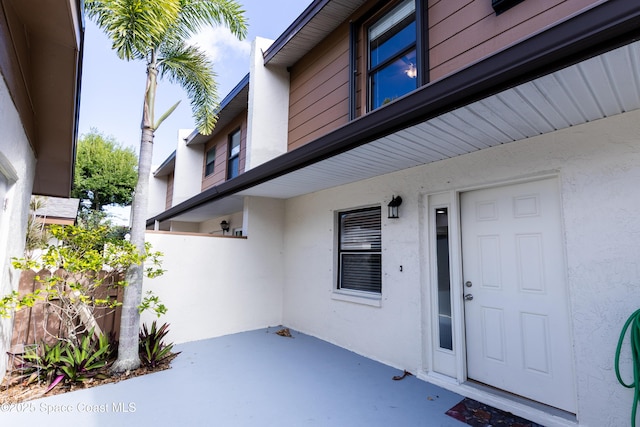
<point x="42" y="323"/>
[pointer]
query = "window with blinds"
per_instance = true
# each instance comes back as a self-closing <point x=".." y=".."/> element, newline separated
<point x="360" y="250"/>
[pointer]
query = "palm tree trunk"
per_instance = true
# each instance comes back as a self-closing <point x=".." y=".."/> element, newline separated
<point x="128" y="357"/>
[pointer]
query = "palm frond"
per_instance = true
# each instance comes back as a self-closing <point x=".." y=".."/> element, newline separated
<point x="196" y="14"/>
<point x="134" y="26"/>
<point x="158" y="29"/>
<point x="190" y="67"/>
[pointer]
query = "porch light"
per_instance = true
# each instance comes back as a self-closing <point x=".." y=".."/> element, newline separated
<point x="225" y="226"/>
<point x="393" y="206"/>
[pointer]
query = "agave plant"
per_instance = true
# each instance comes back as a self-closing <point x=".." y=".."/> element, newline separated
<point x="152" y="348"/>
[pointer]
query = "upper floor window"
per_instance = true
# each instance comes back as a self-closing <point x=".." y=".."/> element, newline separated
<point x="233" y="165"/>
<point x="210" y="162"/>
<point x="392" y="68"/>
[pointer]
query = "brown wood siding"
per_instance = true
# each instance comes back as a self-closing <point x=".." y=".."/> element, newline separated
<point x="464" y="31"/>
<point x="221" y="142"/>
<point x="461" y="32"/>
<point x="169" y="200"/>
<point x="319" y="93"/>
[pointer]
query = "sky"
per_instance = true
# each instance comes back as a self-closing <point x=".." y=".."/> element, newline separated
<point x="112" y="89"/>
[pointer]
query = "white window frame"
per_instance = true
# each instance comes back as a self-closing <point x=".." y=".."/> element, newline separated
<point x="350" y="294"/>
<point x="442" y="360"/>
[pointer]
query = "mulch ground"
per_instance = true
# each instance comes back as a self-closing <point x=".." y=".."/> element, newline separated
<point x="12" y="391"/>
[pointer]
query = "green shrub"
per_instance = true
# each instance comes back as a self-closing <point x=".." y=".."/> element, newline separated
<point x="85" y="360"/>
<point x="41" y="363"/>
<point x="152" y="348"/>
<point x="65" y="361"/>
<point x="82" y="260"/>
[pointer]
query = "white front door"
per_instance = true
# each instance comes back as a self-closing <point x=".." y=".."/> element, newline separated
<point x="516" y="311"/>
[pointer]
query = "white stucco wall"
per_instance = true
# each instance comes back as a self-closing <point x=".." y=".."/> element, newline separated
<point x="389" y="333"/>
<point x="216" y="286"/>
<point x="187" y="180"/>
<point x="183" y="227"/>
<point x="598" y="169"/>
<point x="212" y="226"/>
<point x="17" y="165"/>
<point x="157" y="194"/>
<point x="284" y="272"/>
<point x="268" y="115"/>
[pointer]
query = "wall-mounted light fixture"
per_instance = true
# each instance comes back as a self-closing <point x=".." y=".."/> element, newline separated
<point x="225" y="226"/>
<point x="393" y="206"/>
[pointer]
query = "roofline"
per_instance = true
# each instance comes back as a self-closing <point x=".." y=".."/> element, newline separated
<point x="602" y="28"/>
<point x="293" y="29"/>
<point x="226" y="101"/>
<point x="234" y="92"/>
<point x="168" y="160"/>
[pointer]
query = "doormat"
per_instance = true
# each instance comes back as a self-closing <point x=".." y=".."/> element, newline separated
<point x="478" y="414"/>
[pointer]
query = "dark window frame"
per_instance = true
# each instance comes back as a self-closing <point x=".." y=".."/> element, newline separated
<point x="210" y="165"/>
<point x="360" y="266"/>
<point x="233" y="159"/>
<point x="358" y="39"/>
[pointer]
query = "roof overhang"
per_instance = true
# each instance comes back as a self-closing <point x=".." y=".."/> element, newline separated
<point x="55" y="31"/>
<point x="315" y="23"/>
<point x="168" y="166"/>
<point x="57" y="210"/>
<point x="233" y="104"/>
<point x="582" y="70"/>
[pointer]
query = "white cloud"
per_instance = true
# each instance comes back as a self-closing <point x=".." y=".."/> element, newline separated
<point x="220" y="44"/>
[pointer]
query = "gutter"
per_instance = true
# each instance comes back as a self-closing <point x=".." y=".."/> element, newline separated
<point x="602" y="28"/>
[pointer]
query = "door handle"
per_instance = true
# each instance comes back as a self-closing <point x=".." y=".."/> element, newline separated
<point x="468" y="297"/>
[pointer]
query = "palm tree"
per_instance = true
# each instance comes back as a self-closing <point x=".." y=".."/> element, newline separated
<point x="157" y="31"/>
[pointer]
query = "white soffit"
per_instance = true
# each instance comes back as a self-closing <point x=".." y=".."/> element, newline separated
<point x="302" y="36"/>
<point x="211" y="210"/>
<point x="600" y="87"/>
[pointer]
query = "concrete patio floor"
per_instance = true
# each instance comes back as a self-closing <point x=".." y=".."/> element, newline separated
<point x="255" y="378"/>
